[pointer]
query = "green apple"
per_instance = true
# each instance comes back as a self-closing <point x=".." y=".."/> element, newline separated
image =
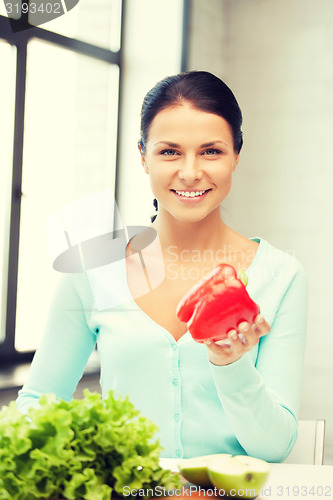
<point x="195" y="469"/>
<point x="239" y="476"/>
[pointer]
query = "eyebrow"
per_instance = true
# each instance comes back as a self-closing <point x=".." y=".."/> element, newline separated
<point x="206" y="145"/>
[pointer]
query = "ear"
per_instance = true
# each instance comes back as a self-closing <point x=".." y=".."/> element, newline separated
<point x="143" y="159"/>
<point x="144" y="164"/>
<point x="235" y="162"/>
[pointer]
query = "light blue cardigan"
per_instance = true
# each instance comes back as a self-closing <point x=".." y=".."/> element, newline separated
<point x="247" y="407"/>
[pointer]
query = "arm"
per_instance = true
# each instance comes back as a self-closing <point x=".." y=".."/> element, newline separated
<point x="262" y="401"/>
<point x="64" y="351"/>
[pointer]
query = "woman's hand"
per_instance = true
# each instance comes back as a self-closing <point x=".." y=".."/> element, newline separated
<point x="239" y="342"/>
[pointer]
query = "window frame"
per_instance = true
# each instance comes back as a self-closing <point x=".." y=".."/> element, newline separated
<point x="18" y="33"/>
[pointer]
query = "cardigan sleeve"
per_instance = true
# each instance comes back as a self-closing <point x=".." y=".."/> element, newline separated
<point x="262" y="400"/>
<point x="65" y="348"/>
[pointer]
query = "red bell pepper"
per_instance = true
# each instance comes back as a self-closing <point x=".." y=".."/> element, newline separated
<point x="217" y="305"/>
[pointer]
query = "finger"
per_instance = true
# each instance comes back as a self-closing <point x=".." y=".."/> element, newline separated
<point x="262" y="325"/>
<point x="244" y="328"/>
<point x="249" y="334"/>
<point x="237" y="344"/>
<point x="223" y="343"/>
<point x="218" y="347"/>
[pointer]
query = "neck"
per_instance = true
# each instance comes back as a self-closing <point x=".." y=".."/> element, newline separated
<point x="209" y="233"/>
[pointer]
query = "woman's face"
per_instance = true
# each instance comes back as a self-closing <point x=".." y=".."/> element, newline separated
<point x="190" y="160"/>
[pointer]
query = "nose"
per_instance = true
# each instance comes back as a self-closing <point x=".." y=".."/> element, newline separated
<point x="190" y="171"/>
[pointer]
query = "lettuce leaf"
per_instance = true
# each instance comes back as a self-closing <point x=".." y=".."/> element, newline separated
<point x="84" y="449"/>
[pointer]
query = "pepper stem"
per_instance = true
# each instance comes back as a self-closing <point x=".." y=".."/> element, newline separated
<point x="241" y="275"/>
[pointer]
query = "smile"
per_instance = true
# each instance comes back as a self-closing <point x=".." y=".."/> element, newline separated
<point x="190" y="194"/>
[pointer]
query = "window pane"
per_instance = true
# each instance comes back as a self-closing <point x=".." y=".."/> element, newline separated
<point x="7" y="106"/>
<point x="97" y="22"/>
<point x="69" y="152"/>
<point x="3" y="11"/>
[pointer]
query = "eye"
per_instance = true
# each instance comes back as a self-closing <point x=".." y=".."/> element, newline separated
<point x="169" y="152"/>
<point x="212" y="152"/>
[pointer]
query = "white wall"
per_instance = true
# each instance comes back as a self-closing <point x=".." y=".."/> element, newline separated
<point x="277" y="58"/>
<point x="152" y="50"/>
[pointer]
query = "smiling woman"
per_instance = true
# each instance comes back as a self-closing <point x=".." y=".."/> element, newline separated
<point x="199" y="170"/>
<point x="241" y="397"/>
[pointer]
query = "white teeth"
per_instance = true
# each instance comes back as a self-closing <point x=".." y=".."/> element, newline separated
<point x="190" y="194"/>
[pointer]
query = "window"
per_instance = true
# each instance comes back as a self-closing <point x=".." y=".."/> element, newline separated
<point x="60" y="129"/>
<point x="72" y="156"/>
<point x="97" y="23"/>
<point x="60" y="99"/>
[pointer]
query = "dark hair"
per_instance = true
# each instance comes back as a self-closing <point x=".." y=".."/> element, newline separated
<point x="203" y="91"/>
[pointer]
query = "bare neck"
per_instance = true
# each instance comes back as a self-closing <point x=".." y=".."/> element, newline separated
<point x="209" y="233"/>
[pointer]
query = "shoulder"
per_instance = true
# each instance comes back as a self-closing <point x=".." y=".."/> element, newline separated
<point x="277" y="262"/>
<point x="275" y="274"/>
<point x="278" y="282"/>
<point x="77" y="283"/>
<point x="74" y="291"/>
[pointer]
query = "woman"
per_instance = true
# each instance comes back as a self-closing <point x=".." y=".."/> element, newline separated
<point x="237" y="397"/>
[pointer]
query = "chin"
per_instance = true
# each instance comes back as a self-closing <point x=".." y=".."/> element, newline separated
<point x="191" y="217"/>
<point x="199" y="215"/>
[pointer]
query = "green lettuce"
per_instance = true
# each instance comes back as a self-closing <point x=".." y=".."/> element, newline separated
<point x="83" y="449"/>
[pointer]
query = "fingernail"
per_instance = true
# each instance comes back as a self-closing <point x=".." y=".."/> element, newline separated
<point x="242" y="338"/>
<point x="260" y="319"/>
<point x="234" y="335"/>
<point x="245" y="327"/>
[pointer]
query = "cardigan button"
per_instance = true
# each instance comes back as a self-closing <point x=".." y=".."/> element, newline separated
<point x="179" y="453"/>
